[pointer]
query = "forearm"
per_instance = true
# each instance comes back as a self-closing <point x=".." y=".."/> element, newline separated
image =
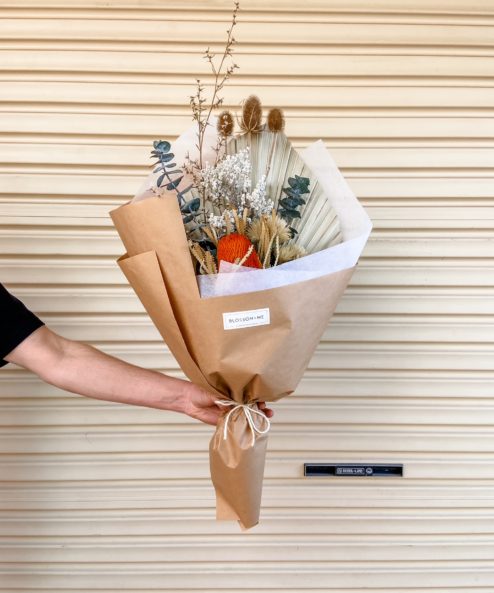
<point x="82" y="369"/>
<point x="92" y="373"/>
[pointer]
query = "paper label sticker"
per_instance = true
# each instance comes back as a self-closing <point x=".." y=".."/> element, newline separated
<point x="239" y="319"/>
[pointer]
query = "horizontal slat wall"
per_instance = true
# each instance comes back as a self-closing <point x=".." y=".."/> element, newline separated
<point x="104" y="498"/>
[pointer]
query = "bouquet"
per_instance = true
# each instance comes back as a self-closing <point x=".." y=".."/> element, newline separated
<point x="240" y="248"/>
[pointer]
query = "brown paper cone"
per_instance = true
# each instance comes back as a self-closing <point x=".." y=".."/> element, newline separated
<point x="237" y="467"/>
<point x="247" y="364"/>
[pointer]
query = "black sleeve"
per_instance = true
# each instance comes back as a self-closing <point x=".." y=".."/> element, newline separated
<point x="16" y="323"/>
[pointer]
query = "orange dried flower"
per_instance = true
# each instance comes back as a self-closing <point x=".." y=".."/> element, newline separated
<point x="234" y="247"/>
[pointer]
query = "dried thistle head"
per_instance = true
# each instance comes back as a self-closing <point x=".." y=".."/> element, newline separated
<point x="225" y="124"/>
<point x="276" y="120"/>
<point x="252" y="115"/>
<point x="289" y="252"/>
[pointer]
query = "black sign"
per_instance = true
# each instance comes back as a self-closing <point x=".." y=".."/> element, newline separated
<point x="370" y="470"/>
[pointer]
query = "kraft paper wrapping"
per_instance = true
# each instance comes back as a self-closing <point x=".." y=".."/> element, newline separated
<point x="247" y="364"/>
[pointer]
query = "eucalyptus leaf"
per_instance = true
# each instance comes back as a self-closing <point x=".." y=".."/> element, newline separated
<point x="166" y="158"/>
<point x="173" y="175"/>
<point x="191" y="206"/>
<point x="293" y="193"/>
<point x="174" y="184"/>
<point x="290" y="203"/>
<point x="302" y="181"/>
<point x="287" y="207"/>
<point x="289" y="215"/>
<point x="162" y="145"/>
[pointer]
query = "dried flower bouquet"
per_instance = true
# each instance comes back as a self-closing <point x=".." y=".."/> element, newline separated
<point x="240" y="248"/>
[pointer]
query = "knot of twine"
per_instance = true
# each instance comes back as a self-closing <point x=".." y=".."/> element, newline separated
<point x="248" y="410"/>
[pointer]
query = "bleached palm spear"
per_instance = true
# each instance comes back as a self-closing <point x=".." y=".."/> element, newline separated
<point x="273" y="155"/>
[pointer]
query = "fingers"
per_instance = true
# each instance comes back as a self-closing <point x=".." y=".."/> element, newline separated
<point x="268" y="411"/>
<point x="211" y="418"/>
<point x="209" y="415"/>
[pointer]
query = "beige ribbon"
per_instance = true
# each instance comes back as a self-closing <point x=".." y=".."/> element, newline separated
<point x="248" y="411"/>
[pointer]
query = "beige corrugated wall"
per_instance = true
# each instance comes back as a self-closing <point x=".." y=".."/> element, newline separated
<point x="105" y="498"/>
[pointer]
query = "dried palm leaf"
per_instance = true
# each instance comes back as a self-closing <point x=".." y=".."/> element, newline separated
<point x="273" y="155"/>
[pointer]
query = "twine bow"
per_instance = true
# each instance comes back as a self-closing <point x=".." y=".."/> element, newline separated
<point x="248" y="411"/>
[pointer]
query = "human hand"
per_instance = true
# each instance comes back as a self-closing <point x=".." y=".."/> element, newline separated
<point x="199" y="404"/>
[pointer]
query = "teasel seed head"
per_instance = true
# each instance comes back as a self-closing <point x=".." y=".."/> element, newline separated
<point x="225" y="124"/>
<point x="276" y="120"/>
<point x="252" y="115"/>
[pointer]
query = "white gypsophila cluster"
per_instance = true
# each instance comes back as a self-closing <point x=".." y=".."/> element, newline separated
<point x="217" y="222"/>
<point x="258" y="199"/>
<point x="228" y="184"/>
